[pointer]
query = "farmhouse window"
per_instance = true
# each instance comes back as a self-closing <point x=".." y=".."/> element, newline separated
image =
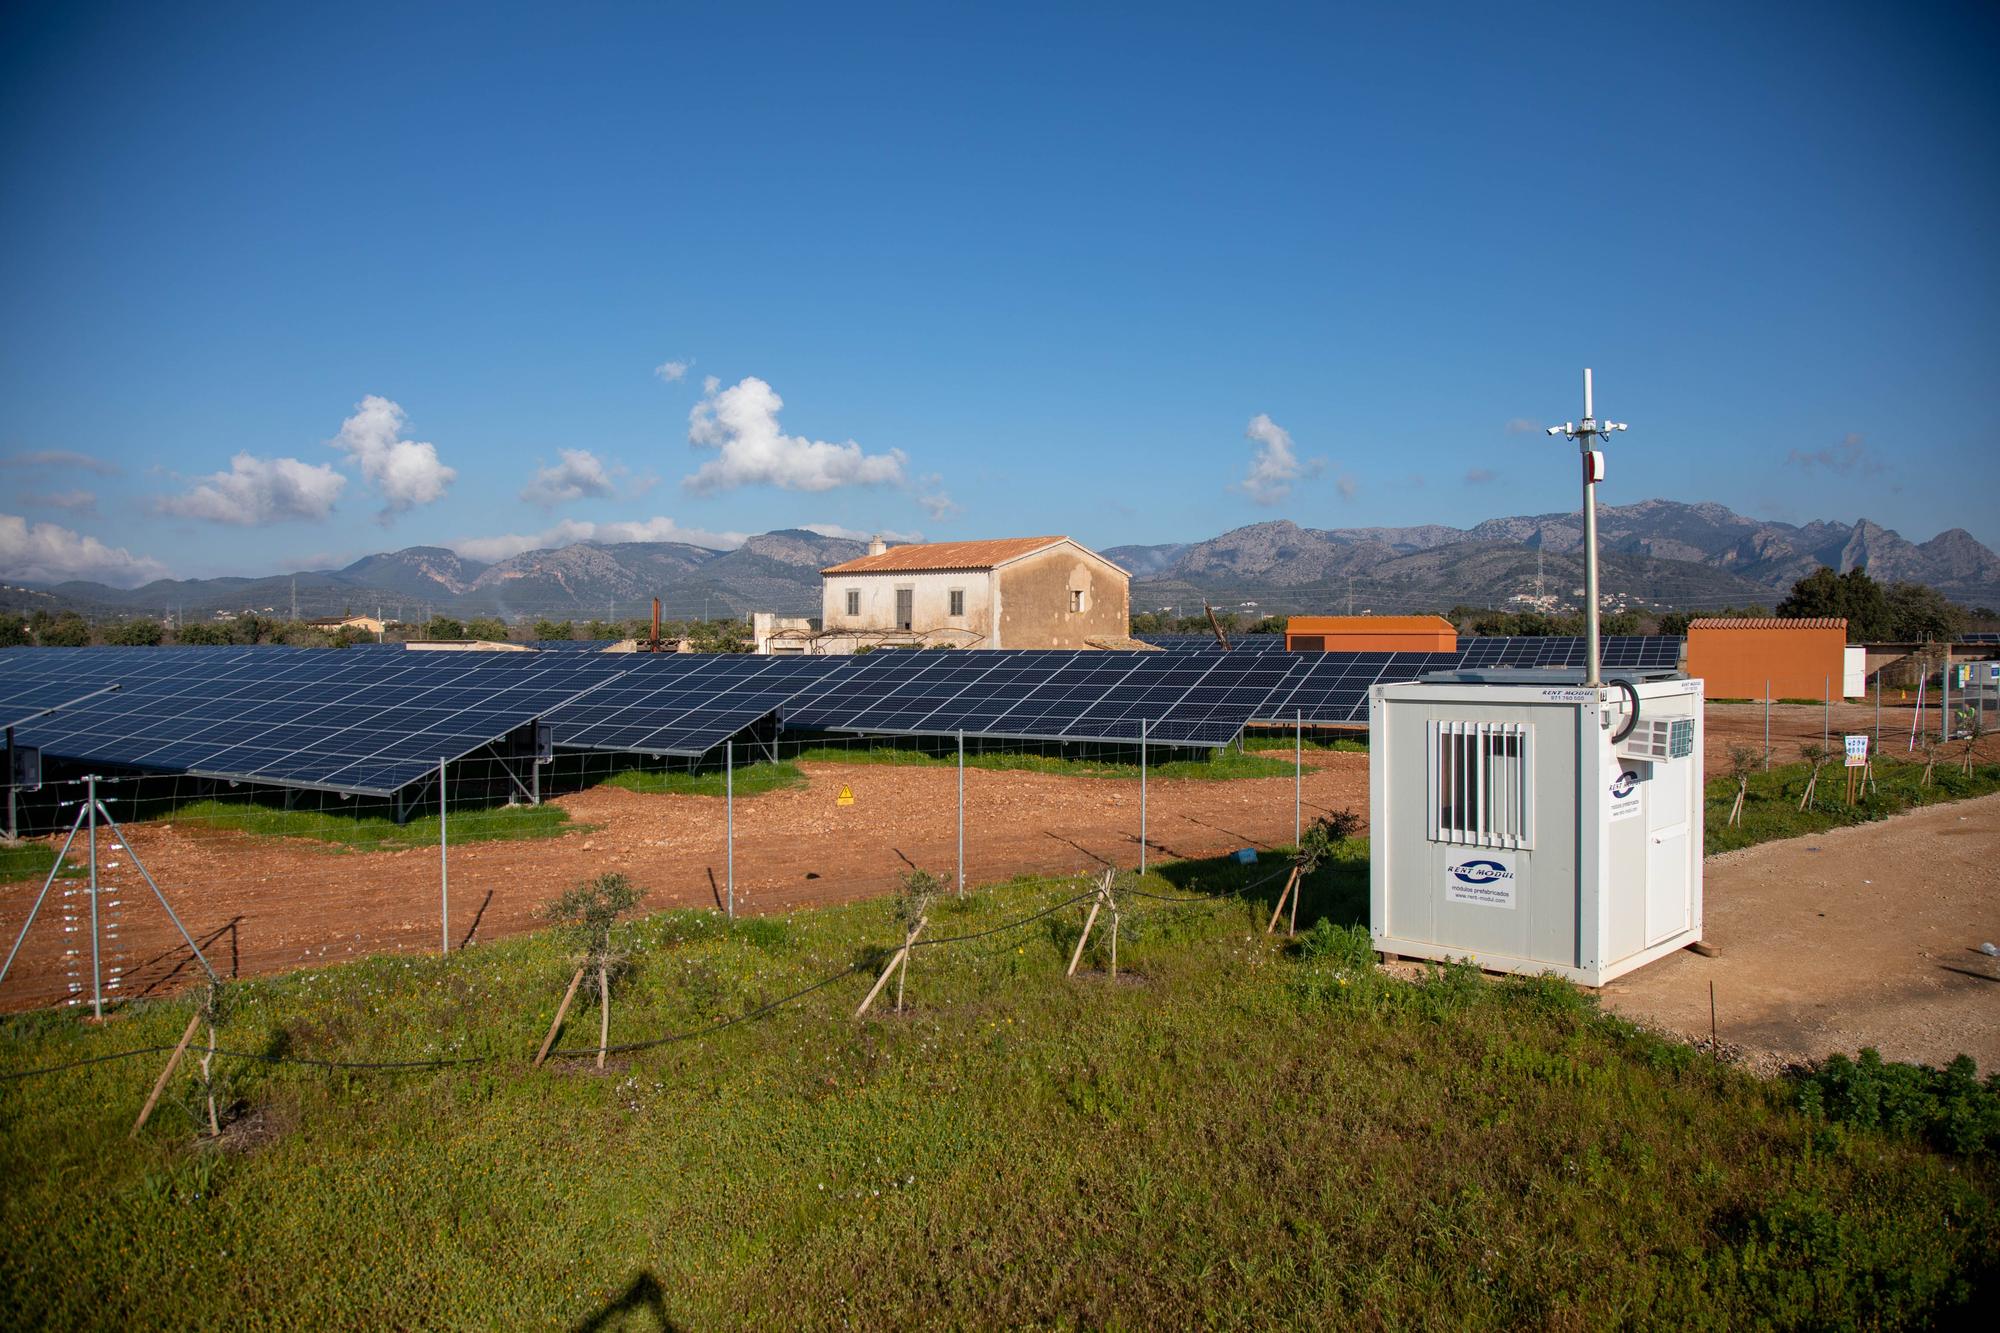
<point x="1481" y="783"/>
<point x="957" y="602"/>
<point x="854" y="601"/>
<point x="905" y="616"/>
<point x="1076" y="599"/>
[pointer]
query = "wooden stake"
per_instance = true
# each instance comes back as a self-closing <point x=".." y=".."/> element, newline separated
<point x="1083" y="939"/>
<point x="1292" y="927"/>
<point x="556" y="1026"/>
<point x="159" y="1087"/>
<point x="603" y="1010"/>
<point x="896" y="960"/>
<point x="1713" y="1049"/>
<point x="1283" y="894"/>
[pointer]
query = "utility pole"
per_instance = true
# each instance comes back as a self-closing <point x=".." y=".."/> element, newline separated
<point x="1588" y="434"/>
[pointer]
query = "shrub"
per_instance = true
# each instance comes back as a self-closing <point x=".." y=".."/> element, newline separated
<point x="1949" y="1108"/>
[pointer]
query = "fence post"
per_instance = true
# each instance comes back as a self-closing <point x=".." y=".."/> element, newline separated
<point x="1767" y="724"/>
<point x="1826" y="712"/>
<point x="96" y="986"/>
<point x="1878" y="712"/>
<point x="1298" y="774"/>
<point x="729" y="817"/>
<point x="444" y="868"/>
<point x="961" y="813"/>
<point x="1144" y="726"/>
<point x="1944" y="699"/>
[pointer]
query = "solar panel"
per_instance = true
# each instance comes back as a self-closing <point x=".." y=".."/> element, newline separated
<point x="1332" y="688"/>
<point x="1174" y="698"/>
<point x="1185" y="643"/>
<point x="683" y="704"/>
<point x="1615" y="652"/>
<point x="368" y="723"/>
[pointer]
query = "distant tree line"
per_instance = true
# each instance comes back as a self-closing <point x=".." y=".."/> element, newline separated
<point x="69" y="629"/>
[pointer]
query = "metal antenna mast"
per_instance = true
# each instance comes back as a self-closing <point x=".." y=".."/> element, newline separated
<point x="1588" y="434"/>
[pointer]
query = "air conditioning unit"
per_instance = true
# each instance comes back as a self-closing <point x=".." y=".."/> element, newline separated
<point x="1659" y="738"/>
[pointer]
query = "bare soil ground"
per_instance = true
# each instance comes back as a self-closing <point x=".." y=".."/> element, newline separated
<point x="1795" y="724"/>
<point x="1864" y="936"/>
<point x="259" y="905"/>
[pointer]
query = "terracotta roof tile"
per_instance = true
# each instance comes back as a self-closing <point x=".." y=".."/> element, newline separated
<point x="1367" y="624"/>
<point x="943" y="555"/>
<point x="1770" y="622"/>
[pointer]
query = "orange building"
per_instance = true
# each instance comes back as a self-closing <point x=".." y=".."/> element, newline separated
<point x="1793" y="659"/>
<point x="1370" y="634"/>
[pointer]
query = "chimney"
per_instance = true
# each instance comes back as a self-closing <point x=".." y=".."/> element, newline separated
<point x="876" y="545"/>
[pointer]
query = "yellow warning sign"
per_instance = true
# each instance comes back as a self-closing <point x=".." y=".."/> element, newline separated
<point x="846" y="796"/>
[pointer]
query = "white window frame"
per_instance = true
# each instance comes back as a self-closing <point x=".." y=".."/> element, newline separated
<point x="1492" y="798"/>
<point x="1076" y="601"/>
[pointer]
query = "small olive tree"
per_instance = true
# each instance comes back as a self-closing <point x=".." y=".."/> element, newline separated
<point x="586" y="916"/>
<point x="1743" y="761"/>
<point x="1975" y="728"/>
<point x="1817" y="757"/>
<point x="916" y="895"/>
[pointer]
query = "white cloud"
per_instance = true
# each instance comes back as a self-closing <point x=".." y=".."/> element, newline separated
<point x="856" y="535"/>
<point x="742" y="422"/>
<point x="931" y="495"/>
<point x="1479" y="476"/>
<point x="672" y="371"/>
<point x="571" y="531"/>
<point x="404" y="472"/>
<point x="1521" y="426"/>
<point x="61" y="458"/>
<point x="1347" y="486"/>
<point x="580" y="473"/>
<point x="1274" y="464"/>
<point x="256" y="491"/>
<point x="76" y="501"/>
<point x="48" y="553"/>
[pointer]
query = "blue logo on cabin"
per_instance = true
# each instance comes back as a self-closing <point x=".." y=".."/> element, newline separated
<point x="1622" y="785"/>
<point x="1480" y="872"/>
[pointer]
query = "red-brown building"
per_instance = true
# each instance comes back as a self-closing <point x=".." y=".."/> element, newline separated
<point x="1792" y="659"/>
<point x="1370" y="634"/>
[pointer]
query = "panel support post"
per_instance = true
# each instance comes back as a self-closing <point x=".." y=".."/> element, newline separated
<point x="13" y="829"/>
<point x="444" y="870"/>
<point x="961" y="813"/>
<point x="1144" y="726"/>
<point x="729" y="821"/>
<point x="96" y="971"/>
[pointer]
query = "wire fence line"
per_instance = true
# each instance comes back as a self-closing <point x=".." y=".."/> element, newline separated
<point x="666" y="1039"/>
<point x="186" y="874"/>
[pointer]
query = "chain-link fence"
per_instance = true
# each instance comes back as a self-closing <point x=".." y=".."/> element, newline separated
<point x="138" y="885"/>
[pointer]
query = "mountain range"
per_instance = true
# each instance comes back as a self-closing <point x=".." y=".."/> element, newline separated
<point x="1657" y="552"/>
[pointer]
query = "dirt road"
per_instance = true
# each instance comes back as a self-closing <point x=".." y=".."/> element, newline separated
<point x="260" y="905"/>
<point x="1864" y="936"/>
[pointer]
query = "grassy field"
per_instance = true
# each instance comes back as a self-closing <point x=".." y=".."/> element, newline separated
<point x="1772" y="808"/>
<point x="376" y="833"/>
<point x="1240" y="1131"/>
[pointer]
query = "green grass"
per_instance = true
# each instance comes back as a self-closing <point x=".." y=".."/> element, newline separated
<point x="1222" y="764"/>
<point x="1772" y="808"/>
<point x="749" y="780"/>
<point x="1252" y="1134"/>
<point x="377" y="833"/>
<point x="1270" y="740"/>
<point x="30" y="860"/>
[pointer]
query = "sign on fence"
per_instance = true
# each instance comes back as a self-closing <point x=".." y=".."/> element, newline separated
<point x="1857" y="751"/>
<point x="846" y="796"/>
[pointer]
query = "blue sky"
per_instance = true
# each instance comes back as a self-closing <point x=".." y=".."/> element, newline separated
<point x="1137" y="276"/>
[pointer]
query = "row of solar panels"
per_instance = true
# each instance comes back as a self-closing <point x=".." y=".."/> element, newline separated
<point x="374" y="722"/>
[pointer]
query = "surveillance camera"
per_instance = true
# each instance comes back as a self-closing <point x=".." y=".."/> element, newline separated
<point x="1555" y="430"/>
